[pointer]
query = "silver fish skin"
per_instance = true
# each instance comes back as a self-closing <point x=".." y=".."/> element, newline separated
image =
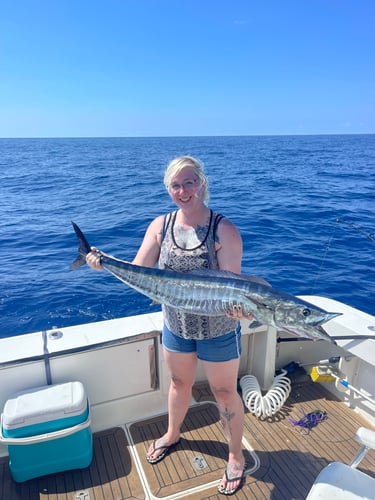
<point x="213" y="293"/>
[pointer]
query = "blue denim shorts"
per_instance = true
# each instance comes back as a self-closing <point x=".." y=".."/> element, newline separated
<point x="217" y="349"/>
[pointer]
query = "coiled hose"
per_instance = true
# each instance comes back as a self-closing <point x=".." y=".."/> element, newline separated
<point x="272" y="401"/>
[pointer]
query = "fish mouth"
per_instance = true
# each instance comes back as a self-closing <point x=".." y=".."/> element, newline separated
<point x="326" y="336"/>
<point x="327" y="316"/>
<point x="314" y="333"/>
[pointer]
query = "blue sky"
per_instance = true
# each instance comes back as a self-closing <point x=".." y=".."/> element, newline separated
<point x="90" y="68"/>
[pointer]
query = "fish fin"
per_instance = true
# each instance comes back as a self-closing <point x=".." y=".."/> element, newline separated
<point x="83" y="250"/>
<point x="77" y="263"/>
<point x="219" y="273"/>
<point x="228" y="274"/>
<point x="213" y="273"/>
<point x="256" y="279"/>
<point x="257" y="303"/>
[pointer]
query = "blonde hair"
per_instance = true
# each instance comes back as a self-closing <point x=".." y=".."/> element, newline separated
<point x="178" y="164"/>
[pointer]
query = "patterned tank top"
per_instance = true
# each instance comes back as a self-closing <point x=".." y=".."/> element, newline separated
<point x="203" y="256"/>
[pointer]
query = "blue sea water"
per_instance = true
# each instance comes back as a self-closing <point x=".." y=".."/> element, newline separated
<point x="304" y="206"/>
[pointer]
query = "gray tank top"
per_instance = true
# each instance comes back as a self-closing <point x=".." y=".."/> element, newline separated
<point x="203" y="256"/>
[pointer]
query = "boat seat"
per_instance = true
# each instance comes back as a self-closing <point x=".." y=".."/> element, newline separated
<point x="345" y="482"/>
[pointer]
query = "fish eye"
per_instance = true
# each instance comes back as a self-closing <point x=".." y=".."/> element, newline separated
<point x="306" y="312"/>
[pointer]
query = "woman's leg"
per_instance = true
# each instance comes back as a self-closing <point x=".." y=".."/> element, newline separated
<point x="182" y="368"/>
<point x="222" y="377"/>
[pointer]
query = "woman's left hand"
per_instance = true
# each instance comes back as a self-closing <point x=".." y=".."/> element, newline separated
<point x="237" y="313"/>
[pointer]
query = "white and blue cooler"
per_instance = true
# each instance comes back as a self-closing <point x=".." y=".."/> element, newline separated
<point x="47" y="430"/>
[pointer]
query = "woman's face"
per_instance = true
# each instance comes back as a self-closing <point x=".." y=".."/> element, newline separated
<point x="185" y="188"/>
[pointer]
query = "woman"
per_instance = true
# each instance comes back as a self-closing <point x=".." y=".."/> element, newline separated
<point x="194" y="237"/>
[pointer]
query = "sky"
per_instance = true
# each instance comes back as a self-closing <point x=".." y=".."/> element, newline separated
<point x="139" y="68"/>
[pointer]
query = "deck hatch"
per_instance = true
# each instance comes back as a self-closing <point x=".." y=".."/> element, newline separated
<point x="196" y="463"/>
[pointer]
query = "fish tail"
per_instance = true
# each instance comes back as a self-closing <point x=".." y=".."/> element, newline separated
<point x="83" y="250"/>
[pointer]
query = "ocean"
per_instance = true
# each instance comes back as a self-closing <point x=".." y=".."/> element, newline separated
<point x="303" y="204"/>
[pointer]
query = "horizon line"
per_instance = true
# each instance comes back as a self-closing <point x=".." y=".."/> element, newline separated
<point x="186" y="136"/>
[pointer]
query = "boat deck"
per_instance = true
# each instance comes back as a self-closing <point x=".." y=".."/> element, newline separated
<point x="283" y="460"/>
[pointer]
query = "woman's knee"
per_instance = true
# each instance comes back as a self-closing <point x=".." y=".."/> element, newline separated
<point x="182" y="382"/>
<point x="181" y="367"/>
<point x="222" y="394"/>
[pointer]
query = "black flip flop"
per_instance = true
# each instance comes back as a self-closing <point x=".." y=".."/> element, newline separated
<point x="228" y="492"/>
<point x="162" y="455"/>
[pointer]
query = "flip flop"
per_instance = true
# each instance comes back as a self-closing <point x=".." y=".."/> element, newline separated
<point x="162" y="454"/>
<point x="226" y="490"/>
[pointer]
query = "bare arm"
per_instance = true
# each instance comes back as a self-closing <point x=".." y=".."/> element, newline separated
<point x="148" y="252"/>
<point x="229" y="254"/>
<point x="229" y="247"/>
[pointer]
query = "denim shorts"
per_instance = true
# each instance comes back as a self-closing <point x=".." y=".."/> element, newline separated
<point x="217" y="349"/>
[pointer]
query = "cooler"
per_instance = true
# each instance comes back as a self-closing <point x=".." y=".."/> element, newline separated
<point x="47" y="430"/>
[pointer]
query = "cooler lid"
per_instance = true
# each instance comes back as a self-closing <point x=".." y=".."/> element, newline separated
<point x="43" y="404"/>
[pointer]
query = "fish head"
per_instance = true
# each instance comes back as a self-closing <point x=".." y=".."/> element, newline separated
<point x="303" y="319"/>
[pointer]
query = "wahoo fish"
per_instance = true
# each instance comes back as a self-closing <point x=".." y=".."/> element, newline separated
<point x="213" y="293"/>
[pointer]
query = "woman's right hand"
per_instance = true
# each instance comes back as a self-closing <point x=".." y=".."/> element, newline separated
<point x="93" y="259"/>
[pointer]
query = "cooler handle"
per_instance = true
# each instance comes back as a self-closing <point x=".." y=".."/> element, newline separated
<point x="48" y="436"/>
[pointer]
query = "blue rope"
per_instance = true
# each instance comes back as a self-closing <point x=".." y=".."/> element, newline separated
<point x="310" y="420"/>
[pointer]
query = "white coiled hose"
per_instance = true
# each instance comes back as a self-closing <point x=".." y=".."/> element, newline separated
<point x="272" y="401"/>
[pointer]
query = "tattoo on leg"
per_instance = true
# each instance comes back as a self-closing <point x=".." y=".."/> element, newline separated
<point x="226" y="417"/>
